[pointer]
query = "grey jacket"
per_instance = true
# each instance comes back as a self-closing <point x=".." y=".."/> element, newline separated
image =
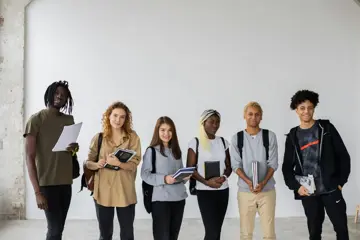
<point x="164" y="166"/>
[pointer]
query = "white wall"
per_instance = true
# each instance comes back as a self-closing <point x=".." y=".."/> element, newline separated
<point x="178" y="58"/>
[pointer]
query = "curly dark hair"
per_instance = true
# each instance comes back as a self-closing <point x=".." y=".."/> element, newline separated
<point x="303" y="95"/>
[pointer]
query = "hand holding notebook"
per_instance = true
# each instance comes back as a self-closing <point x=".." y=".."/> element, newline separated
<point x="122" y="155"/>
<point x="112" y="163"/>
<point x="308" y="182"/>
<point x="183" y="173"/>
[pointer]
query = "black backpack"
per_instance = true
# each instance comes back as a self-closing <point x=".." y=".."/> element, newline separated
<point x="87" y="178"/>
<point x="76" y="166"/>
<point x="192" y="184"/>
<point x="147" y="189"/>
<point x="265" y="135"/>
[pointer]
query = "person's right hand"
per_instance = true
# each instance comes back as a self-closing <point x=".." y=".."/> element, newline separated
<point x="303" y="191"/>
<point x="101" y="163"/>
<point x="169" y="179"/>
<point x="213" y="183"/>
<point x="41" y="201"/>
<point x="250" y="184"/>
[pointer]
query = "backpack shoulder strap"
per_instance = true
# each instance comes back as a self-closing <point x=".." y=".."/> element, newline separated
<point x="240" y="141"/>
<point x="99" y="145"/>
<point x="197" y="150"/>
<point x="223" y="141"/>
<point x="265" y="135"/>
<point x="153" y="159"/>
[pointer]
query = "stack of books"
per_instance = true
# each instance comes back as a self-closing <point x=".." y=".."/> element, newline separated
<point x="183" y="173"/>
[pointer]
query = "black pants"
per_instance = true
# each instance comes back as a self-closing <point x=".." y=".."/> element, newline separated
<point x="58" y="198"/>
<point x="167" y="218"/>
<point x="213" y="205"/>
<point x="105" y="216"/>
<point x="335" y="206"/>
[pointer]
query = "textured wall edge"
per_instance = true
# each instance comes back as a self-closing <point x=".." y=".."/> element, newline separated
<point x="12" y="41"/>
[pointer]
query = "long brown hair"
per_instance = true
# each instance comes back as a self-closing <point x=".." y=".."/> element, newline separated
<point x="127" y="127"/>
<point x="174" y="142"/>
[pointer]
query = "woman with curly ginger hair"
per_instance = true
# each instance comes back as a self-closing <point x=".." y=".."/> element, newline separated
<point x="115" y="188"/>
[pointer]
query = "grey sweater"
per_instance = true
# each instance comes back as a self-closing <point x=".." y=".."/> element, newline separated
<point x="253" y="150"/>
<point x="164" y="166"/>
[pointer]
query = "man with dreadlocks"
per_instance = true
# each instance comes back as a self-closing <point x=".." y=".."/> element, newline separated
<point x="51" y="172"/>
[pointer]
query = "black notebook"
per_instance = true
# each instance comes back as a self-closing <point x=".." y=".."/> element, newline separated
<point x="111" y="167"/>
<point x="212" y="169"/>
<point x="124" y="155"/>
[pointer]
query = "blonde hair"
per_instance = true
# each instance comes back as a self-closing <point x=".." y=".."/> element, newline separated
<point x="254" y="105"/>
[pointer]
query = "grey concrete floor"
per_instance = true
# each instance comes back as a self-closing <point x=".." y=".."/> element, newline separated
<point x="192" y="229"/>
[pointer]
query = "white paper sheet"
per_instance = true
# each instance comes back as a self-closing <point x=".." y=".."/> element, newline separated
<point x="68" y="135"/>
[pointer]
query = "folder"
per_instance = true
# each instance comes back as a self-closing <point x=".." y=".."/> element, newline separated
<point x="255" y="169"/>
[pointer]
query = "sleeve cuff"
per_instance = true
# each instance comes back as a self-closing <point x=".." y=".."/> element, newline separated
<point x="160" y="179"/>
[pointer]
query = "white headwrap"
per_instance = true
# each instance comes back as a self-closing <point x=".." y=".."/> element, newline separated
<point x="203" y="137"/>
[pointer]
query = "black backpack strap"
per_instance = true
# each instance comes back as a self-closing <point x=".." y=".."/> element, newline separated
<point x="223" y="141"/>
<point x="240" y="141"/>
<point x="99" y="145"/>
<point x="83" y="180"/>
<point x="265" y="135"/>
<point x="197" y="150"/>
<point x="153" y="159"/>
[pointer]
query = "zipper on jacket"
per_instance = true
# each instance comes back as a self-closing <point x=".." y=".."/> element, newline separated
<point x="297" y="155"/>
<point x="321" y="141"/>
<point x="320" y="154"/>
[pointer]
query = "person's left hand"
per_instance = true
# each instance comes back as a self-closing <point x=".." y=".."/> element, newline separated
<point x="259" y="187"/>
<point x="112" y="160"/>
<point x="220" y="180"/>
<point x="340" y="188"/>
<point x="73" y="147"/>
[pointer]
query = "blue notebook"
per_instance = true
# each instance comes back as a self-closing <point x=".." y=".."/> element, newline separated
<point x="183" y="173"/>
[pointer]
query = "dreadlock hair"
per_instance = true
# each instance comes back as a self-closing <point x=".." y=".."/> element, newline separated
<point x="303" y="95"/>
<point x="50" y="95"/>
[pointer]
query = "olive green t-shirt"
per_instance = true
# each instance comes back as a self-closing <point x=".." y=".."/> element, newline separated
<point x="53" y="168"/>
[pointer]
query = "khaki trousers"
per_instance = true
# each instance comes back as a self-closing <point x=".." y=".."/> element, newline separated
<point x="262" y="203"/>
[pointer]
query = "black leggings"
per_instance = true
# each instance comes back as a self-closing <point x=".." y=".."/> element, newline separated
<point x="58" y="198"/>
<point x="167" y="218"/>
<point x="213" y="205"/>
<point x="105" y="216"/>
